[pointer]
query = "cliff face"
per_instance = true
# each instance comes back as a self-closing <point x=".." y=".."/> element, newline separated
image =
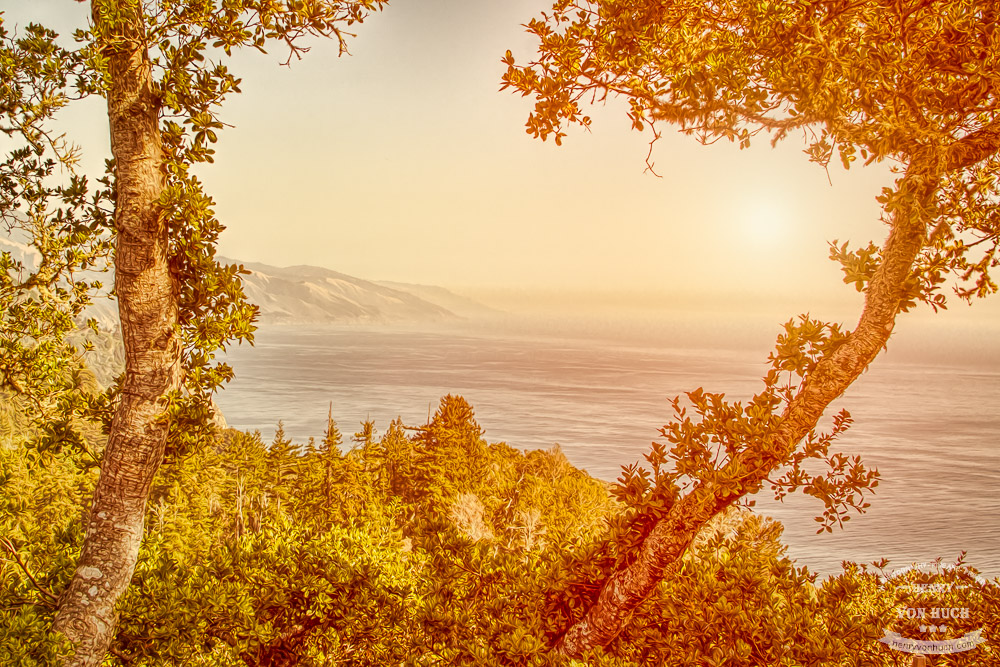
<point x="291" y="295"/>
<point x="306" y="295"/>
<point x="313" y="295"/>
<point x="459" y="305"/>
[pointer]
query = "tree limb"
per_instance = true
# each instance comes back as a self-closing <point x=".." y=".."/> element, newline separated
<point x="9" y="546"/>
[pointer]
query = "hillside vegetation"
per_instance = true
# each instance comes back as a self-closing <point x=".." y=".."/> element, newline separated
<point x="422" y="546"/>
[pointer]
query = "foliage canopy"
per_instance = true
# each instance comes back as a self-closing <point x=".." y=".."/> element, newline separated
<point x="394" y="554"/>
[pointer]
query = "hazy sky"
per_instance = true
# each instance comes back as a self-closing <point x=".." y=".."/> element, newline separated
<point x="404" y="162"/>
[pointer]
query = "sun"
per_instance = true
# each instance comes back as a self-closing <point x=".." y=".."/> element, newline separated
<point x="764" y="221"/>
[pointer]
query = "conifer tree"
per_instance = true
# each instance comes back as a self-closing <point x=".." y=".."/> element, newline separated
<point x="281" y="446"/>
<point x="366" y="436"/>
<point x="329" y="452"/>
<point x="332" y="440"/>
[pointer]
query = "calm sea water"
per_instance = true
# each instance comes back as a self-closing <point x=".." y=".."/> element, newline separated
<point x="933" y="430"/>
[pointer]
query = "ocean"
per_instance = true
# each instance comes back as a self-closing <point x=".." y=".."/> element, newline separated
<point x="932" y="428"/>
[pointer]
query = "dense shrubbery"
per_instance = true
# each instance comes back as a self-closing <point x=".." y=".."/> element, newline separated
<point x="423" y="546"/>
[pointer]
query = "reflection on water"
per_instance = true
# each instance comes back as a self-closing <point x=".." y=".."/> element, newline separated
<point x="932" y="430"/>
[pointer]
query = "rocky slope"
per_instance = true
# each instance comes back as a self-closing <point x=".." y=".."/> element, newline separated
<point x="314" y="295"/>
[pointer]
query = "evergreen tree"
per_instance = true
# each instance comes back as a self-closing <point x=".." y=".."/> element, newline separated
<point x="281" y="446"/>
<point x="332" y="440"/>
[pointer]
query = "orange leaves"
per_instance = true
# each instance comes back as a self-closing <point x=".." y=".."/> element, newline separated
<point x="803" y="344"/>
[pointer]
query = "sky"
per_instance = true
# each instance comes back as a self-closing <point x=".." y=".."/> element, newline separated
<point x="404" y="162"/>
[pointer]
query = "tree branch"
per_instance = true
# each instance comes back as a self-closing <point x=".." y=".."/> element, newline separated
<point x="9" y="546"/>
<point x="973" y="147"/>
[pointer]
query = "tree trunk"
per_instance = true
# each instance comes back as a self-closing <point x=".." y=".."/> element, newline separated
<point x="660" y="553"/>
<point x="147" y="302"/>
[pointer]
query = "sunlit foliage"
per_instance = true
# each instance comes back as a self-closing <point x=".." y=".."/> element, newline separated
<point x="423" y="546"/>
<point x="56" y="225"/>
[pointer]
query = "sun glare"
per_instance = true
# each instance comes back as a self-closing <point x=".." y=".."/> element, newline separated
<point x="764" y="222"/>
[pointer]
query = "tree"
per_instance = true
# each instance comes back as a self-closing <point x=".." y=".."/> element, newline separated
<point x="153" y="63"/>
<point x="910" y="82"/>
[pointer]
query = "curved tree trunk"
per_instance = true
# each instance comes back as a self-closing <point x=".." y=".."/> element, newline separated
<point x="147" y="305"/>
<point x="660" y="554"/>
<point x="662" y="549"/>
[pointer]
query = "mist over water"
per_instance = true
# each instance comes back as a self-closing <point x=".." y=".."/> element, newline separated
<point x="926" y="413"/>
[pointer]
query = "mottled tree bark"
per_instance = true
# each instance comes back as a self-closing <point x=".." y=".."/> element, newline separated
<point x="147" y="302"/>
<point x="660" y="553"/>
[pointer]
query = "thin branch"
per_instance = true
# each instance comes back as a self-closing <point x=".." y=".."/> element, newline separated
<point x="649" y="154"/>
<point x="125" y="660"/>
<point x="972" y="148"/>
<point x="9" y="546"/>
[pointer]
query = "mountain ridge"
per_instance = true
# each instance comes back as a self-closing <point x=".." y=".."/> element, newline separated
<point x="307" y="294"/>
